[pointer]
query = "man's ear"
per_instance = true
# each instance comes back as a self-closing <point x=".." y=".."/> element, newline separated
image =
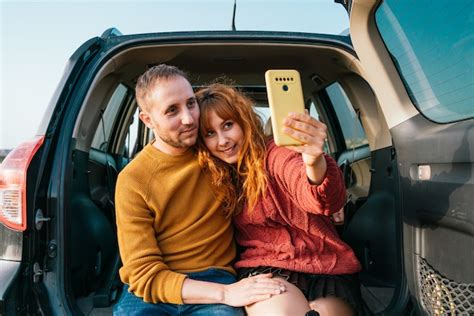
<point x="146" y="119"/>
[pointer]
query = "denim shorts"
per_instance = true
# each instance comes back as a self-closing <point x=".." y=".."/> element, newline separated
<point x="131" y="305"/>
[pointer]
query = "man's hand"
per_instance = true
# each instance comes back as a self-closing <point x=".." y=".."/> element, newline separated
<point x="245" y="292"/>
<point x="252" y="289"/>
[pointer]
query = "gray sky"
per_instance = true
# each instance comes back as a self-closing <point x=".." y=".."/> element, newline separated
<point x="37" y="38"/>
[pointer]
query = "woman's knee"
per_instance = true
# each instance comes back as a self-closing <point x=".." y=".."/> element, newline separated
<point x="329" y="306"/>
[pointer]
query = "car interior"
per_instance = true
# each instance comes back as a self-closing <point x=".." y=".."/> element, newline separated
<point x="108" y="134"/>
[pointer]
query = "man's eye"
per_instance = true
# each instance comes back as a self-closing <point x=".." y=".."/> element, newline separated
<point x="171" y="110"/>
<point x="191" y="103"/>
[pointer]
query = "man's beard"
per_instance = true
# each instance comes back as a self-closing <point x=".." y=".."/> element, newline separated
<point x="175" y="143"/>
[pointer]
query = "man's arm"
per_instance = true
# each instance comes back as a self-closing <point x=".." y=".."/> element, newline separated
<point x="143" y="267"/>
<point x="150" y="278"/>
<point x="245" y="292"/>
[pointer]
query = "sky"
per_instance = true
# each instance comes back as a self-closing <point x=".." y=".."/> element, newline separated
<point x="38" y="37"/>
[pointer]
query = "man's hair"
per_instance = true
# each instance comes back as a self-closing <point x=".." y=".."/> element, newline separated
<point x="147" y="81"/>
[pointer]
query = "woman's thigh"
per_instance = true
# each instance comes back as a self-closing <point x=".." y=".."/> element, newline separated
<point x="291" y="302"/>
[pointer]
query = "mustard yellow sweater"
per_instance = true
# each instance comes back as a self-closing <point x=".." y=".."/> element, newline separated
<point x="169" y="222"/>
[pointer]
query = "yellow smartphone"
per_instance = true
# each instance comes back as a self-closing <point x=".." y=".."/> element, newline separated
<point x="285" y="95"/>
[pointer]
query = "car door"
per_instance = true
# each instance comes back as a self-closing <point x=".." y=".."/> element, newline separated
<point x="371" y="227"/>
<point x="24" y="187"/>
<point x="418" y="59"/>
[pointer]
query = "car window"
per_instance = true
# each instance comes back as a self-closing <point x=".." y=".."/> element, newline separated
<point x="263" y="112"/>
<point x="434" y="53"/>
<point x="352" y="130"/>
<point x="131" y="139"/>
<point x="315" y="111"/>
<point x="103" y="132"/>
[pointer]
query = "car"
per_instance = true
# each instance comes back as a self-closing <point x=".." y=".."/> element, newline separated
<point x="397" y="97"/>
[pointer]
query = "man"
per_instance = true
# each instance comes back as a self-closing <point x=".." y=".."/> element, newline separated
<point x="175" y="241"/>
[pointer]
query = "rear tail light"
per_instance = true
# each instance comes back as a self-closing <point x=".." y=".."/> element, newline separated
<point x="13" y="184"/>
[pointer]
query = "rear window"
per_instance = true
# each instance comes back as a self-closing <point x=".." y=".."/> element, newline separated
<point x="432" y="45"/>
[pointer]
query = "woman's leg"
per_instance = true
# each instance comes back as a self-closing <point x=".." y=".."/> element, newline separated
<point x="331" y="306"/>
<point x="291" y="302"/>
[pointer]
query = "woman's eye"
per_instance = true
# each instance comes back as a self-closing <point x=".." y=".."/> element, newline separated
<point x="209" y="133"/>
<point x="228" y="124"/>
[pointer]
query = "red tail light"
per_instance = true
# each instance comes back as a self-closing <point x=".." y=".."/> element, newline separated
<point x="13" y="184"/>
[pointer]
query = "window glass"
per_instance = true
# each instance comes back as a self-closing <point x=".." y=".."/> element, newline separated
<point x="354" y="134"/>
<point x="263" y="112"/>
<point x="432" y="45"/>
<point x="132" y="136"/>
<point x="314" y="112"/>
<point x="102" y="134"/>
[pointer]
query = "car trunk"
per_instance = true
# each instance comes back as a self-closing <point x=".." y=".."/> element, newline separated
<point x="95" y="144"/>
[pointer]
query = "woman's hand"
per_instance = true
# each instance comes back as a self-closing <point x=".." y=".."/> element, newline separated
<point x="252" y="289"/>
<point x="309" y="131"/>
<point x="312" y="134"/>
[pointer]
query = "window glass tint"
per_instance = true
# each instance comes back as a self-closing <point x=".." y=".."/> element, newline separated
<point x="102" y="134"/>
<point x="352" y="130"/>
<point x="432" y="45"/>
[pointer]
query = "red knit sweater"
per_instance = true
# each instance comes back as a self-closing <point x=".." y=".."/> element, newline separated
<point x="290" y="227"/>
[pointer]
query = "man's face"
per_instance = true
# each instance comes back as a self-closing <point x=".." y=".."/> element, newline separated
<point x="172" y="113"/>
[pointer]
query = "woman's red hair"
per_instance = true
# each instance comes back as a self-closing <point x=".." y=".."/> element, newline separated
<point x="247" y="179"/>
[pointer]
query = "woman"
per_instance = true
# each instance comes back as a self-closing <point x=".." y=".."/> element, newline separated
<point x="286" y="197"/>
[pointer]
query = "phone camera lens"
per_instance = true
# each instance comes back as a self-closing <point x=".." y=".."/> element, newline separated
<point x="285" y="87"/>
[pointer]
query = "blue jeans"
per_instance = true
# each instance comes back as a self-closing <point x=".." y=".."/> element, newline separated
<point x="131" y="305"/>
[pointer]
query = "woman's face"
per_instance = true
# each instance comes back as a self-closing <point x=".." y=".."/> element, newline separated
<point x="223" y="138"/>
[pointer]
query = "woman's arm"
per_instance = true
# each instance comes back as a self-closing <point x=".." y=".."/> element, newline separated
<point x="312" y="180"/>
<point x="312" y="133"/>
<point x="317" y="171"/>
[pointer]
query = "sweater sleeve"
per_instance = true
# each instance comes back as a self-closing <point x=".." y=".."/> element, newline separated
<point x="143" y="267"/>
<point x="288" y="170"/>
